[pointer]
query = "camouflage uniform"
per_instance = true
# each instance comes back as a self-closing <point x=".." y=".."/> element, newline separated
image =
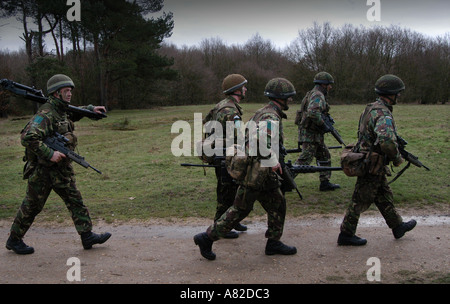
<point x="226" y="110"/>
<point x="310" y="134"/>
<point x="376" y="129"/>
<point x="44" y="175"/>
<point x="270" y="197"/>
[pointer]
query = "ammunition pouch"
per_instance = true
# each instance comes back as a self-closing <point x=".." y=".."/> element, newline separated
<point x="237" y="165"/>
<point x="361" y="163"/>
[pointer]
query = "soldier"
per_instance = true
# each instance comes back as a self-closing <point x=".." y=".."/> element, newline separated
<point x="268" y="193"/>
<point x="311" y="128"/>
<point x="48" y="170"/>
<point x="377" y="133"/>
<point x="234" y="87"/>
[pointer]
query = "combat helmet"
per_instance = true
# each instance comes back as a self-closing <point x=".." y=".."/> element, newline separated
<point x="389" y="85"/>
<point x="57" y="82"/>
<point x="323" y="78"/>
<point x="232" y="83"/>
<point x="279" y="88"/>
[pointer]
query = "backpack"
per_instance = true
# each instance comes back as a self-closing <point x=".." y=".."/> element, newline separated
<point x="359" y="163"/>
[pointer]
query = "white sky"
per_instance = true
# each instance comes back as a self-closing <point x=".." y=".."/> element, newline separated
<point x="236" y="21"/>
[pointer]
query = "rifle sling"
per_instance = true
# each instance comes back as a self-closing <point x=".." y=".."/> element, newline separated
<point x="400" y="173"/>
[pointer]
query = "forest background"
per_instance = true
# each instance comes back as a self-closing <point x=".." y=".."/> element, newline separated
<point x="117" y="57"/>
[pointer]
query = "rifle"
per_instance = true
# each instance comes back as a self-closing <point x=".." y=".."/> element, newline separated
<point x="38" y="96"/>
<point x="328" y="127"/>
<point x="58" y="143"/>
<point x="290" y="171"/>
<point x="219" y="161"/>
<point x="410" y="158"/>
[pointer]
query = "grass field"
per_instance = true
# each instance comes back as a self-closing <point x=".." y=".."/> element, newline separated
<point x="142" y="179"/>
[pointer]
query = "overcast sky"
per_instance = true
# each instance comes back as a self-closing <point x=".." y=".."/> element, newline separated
<point x="236" y="21"/>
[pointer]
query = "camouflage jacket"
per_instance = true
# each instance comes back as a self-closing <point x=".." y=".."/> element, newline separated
<point x="377" y="129"/>
<point x="226" y="110"/>
<point x="50" y="118"/>
<point x="310" y="126"/>
<point x="270" y="113"/>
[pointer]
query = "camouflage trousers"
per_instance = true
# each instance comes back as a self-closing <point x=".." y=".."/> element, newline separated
<point x="40" y="183"/>
<point x="370" y="189"/>
<point x="273" y="202"/>
<point x="320" y="152"/>
<point x="226" y="192"/>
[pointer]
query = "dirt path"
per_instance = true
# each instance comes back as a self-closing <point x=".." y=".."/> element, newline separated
<point x="164" y="252"/>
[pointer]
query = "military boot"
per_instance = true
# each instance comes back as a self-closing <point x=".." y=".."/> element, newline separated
<point x="401" y="229"/>
<point x="18" y="246"/>
<point x="231" y="235"/>
<point x="352" y="240"/>
<point x="277" y="247"/>
<point x="205" y="243"/>
<point x="327" y="186"/>
<point x="240" y="227"/>
<point x="89" y="238"/>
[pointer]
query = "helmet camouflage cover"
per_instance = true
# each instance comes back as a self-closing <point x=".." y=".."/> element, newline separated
<point x="232" y="83"/>
<point x="279" y="88"/>
<point x="323" y="78"/>
<point x="57" y="82"/>
<point x="389" y="85"/>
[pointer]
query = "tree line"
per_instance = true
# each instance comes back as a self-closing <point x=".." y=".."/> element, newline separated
<point x="118" y="58"/>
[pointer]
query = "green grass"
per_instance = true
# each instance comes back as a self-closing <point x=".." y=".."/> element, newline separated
<point x="142" y="179"/>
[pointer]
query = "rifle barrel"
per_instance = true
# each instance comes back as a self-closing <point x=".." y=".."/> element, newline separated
<point x="197" y="165"/>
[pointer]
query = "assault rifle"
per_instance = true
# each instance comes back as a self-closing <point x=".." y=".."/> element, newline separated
<point x="328" y="127"/>
<point x="410" y="158"/>
<point x="58" y="143"/>
<point x="37" y="96"/>
<point x="290" y="171"/>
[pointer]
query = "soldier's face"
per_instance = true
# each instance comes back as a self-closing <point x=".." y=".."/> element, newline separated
<point x="66" y="94"/>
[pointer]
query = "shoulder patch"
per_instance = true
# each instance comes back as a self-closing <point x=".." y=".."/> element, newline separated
<point x="38" y="119"/>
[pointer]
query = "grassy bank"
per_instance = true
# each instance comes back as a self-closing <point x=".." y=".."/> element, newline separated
<point x="141" y="178"/>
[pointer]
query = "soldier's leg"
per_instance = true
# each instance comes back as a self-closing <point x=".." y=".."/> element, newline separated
<point x="364" y="195"/>
<point x="385" y="203"/>
<point x="226" y="192"/>
<point x="274" y="203"/>
<point x="38" y="190"/>
<point x="308" y="153"/>
<point x="241" y="207"/>
<point x="65" y="187"/>
<point x="324" y="159"/>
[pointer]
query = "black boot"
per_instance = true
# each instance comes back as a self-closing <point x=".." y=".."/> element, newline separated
<point x="401" y="229"/>
<point x="327" y="186"/>
<point x="18" y="246"/>
<point x="205" y="243"/>
<point x="277" y="247"/>
<point x="352" y="240"/>
<point x="240" y="227"/>
<point x="231" y="235"/>
<point x="89" y="238"/>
